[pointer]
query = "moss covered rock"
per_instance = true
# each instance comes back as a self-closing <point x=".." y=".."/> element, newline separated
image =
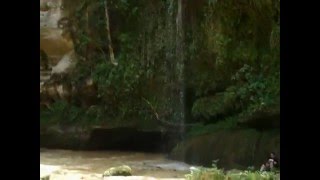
<point x="234" y="149"/>
<point x="118" y="171"/>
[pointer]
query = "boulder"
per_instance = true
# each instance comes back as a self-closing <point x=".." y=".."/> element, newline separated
<point x="118" y="171"/>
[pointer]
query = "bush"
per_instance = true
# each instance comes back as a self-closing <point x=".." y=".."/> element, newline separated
<point x="200" y="129"/>
<point x="218" y="174"/>
<point x="62" y="112"/>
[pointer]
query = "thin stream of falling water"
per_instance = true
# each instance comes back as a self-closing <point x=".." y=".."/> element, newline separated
<point x="180" y="64"/>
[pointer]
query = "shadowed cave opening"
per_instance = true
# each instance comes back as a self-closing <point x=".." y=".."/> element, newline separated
<point x="114" y="139"/>
<point x="127" y="139"/>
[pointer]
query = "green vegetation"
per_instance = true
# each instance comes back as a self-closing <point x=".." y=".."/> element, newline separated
<point x="61" y="111"/>
<point x="226" y="64"/>
<point x="241" y="79"/>
<point x="211" y="65"/>
<point x="218" y="174"/>
<point x="200" y="129"/>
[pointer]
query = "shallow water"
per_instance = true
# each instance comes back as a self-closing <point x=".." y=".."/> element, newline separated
<point x="66" y="164"/>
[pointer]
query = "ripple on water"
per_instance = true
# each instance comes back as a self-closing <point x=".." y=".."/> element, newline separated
<point x="92" y="164"/>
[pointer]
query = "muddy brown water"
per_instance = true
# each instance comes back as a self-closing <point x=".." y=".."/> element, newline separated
<point x="67" y="164"/>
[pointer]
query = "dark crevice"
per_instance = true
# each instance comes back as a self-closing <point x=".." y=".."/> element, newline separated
<point x="125" y="139"/>
<point x="118" y="139"/>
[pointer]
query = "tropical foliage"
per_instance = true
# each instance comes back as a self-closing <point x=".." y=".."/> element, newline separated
<point x="229" y="71"/>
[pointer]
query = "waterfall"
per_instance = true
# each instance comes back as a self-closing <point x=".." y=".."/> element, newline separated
<point x="175" y="62"/>
<point x="180" y="67"/>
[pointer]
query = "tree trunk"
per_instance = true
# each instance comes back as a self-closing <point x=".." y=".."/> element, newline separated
<point x="112" y="59"/>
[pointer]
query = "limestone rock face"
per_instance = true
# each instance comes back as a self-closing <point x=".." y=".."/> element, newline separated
<point x="52" y="42"/>
<point x="56" y="52"/>
<point x="65" y="64"/>
<point x="50" y="13"/>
